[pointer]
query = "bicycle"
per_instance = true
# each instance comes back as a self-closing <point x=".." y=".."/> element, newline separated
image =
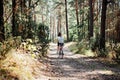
<point x="61" y="51"/>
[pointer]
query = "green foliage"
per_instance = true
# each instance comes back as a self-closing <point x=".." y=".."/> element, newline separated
<point x="78" y="32"/>
<point x="73" y="33"/>
<point x="43" y="35"/>
<point x="94" y="43"/>
<point x="12" y="42"/>
<point x="29" y="30"/>
<point x="8" y="30"/>
<point x="117" y="50"/>
<point x="29" y="46"/>
<point x="82" y="47"/>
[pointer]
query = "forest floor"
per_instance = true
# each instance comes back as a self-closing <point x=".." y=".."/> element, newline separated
<point x="77" y="67"/>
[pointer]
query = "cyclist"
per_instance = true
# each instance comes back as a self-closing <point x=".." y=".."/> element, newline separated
<point x="60" y="45"/>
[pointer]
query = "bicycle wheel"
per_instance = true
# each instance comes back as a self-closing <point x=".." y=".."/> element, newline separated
<point x="60" y="52"/>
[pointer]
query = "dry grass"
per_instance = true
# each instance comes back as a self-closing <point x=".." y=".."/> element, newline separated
<point x="19" y="66"/>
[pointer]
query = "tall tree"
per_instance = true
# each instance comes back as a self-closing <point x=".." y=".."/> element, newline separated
<point x="76" y="7"/>
<point x="59" y="19"/>
<point x="103" y="21"/>
<point x="77" y="18"/>
<point x="90" y="18"/>
<point x="2" y="36"/>
<point x="66" y="20"/>
<point x="14" y="4"/>
<point x="29" y="15"/>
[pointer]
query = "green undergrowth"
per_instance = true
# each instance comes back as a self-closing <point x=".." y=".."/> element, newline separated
<point x="12" y="42"/>
<point x="74" y="48"/>
<point x="81" y="48"/>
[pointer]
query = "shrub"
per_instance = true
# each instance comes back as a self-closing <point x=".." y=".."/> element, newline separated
<point x="43" y="36"/>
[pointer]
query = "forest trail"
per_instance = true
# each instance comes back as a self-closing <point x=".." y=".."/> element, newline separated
<point x="77" y="67"/>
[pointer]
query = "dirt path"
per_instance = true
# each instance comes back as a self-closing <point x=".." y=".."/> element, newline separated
<point x="77" y="67"/>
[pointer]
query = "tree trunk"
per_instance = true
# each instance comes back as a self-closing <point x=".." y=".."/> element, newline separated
<point x="29" y="15"/>
<point x="103" y="21"/>
<point x="50" y="27"/>
<point x="42" y="15"/>
<point x="66" y="20"/>
<point x="90" y="19"/>
<point x="76" y="7"/>
<point x="59" y="19"/>
<point x="53" y="24"/>
<point x="14" y="18"/>
<point x="2" y="36"/>
<point x="77" y="18"/>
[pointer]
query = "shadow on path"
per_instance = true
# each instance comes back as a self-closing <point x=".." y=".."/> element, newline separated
<point x="79" y="67"/>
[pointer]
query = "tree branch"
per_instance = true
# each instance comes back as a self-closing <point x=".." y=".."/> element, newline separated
<point x="110" y="1"/>
<point x="34" y="4"/>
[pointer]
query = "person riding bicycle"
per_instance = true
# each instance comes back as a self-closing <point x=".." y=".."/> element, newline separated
<point x="60" y="45"/>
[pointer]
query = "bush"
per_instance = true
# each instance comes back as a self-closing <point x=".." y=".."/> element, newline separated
<point x="12" y="42"/>
<point x="43" y="36"/>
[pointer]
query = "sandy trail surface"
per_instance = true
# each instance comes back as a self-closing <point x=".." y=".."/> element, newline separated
<point x="76" y="67"/>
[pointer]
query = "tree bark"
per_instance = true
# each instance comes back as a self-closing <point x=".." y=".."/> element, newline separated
<point x="76" y="7"/>
<point x="29" y="16"/>
<point x="103" y="21"/>
<point x="90" y="19"/>
<point x="14" y="18"/>
<point x="77" y="18"/>
<point x="2" y="36"/>
<point x="66" y="20"/>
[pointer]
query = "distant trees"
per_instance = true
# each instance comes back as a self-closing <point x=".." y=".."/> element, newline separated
<point x="59" y="19"/>
<point x="77" y="19"/>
